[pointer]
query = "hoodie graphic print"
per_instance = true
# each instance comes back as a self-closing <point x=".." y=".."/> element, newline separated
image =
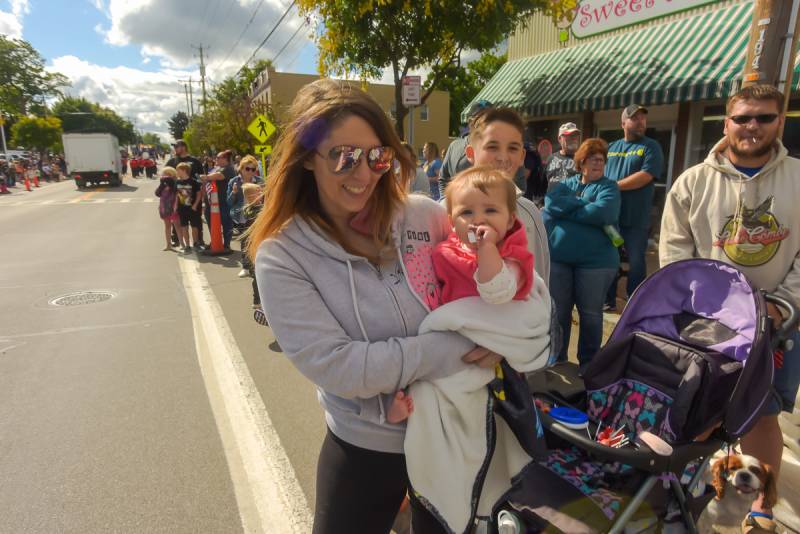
<point x="751" y="236"/>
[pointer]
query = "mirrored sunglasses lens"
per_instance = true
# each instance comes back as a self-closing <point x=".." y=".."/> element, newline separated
<point x="380" y="158"/>
<point x="344" y="158"/>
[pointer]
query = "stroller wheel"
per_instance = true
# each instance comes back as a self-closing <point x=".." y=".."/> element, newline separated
<point x="508" y="523"/>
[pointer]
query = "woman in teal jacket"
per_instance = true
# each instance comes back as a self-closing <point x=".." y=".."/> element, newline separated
<point x="583" y="259"/>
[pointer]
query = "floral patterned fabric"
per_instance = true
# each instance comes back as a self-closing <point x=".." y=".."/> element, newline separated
<point x="626" y="404"/>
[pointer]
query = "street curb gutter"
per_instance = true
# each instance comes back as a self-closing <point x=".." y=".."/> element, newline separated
<point x="268" y="495"/>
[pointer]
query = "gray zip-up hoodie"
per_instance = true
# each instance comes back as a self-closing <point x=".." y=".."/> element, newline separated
<point x="351" y="327"/>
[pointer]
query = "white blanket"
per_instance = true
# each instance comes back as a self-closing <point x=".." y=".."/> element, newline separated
<point x="447" y="438"/>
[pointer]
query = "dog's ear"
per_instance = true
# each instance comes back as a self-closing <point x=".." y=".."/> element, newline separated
<point x="718" y="476"/>
<point x="770" y="488"/>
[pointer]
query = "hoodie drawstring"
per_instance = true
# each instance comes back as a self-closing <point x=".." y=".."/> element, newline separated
<point x="361" y="326"/>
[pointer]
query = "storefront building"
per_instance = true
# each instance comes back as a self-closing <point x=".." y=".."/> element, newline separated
<point x="682" y="68"/>
<point x="431" y="120"/>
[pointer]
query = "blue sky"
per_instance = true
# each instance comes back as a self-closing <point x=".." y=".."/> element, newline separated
<point x="130" y="54"/>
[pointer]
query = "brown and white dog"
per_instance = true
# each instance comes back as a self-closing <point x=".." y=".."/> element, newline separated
<point x="738" y="480"/>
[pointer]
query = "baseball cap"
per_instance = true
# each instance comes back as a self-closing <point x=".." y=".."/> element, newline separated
<point x="631" y="110"/>
<point x="478" y="106"/>
<point x="567" y="128"/>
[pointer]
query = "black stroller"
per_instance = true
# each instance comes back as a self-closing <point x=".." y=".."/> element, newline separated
<point x="691" y="356"/>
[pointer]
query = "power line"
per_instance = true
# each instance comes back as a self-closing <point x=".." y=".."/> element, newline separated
<point x="274" y="59"/>
<point x="249" y="22"/>
<point x="277" y="24"/>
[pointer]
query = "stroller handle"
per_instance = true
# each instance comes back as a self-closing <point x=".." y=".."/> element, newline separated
<point x="789" y="324"/>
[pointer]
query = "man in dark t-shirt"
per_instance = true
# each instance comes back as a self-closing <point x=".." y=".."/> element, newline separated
<point x="181" y="156"/>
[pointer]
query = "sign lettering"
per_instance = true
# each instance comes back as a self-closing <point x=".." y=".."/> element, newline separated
<point x="599" y="16"/>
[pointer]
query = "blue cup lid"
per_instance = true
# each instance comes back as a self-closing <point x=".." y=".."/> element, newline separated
<point x="569" y="415"/>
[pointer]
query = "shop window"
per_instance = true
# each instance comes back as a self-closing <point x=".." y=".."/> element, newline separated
<point x="423" y="112"/>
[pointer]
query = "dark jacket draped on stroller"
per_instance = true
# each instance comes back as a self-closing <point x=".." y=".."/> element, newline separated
<point x="691" y="353"/>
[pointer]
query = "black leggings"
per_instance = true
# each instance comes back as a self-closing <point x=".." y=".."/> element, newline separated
<point x="360" y="490"/>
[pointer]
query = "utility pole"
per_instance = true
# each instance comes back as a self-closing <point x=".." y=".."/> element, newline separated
<point x="189" y="89"/>
<point x="771" y="49"/>
<point x="3" y="132"/>
<point x="202" y="73"/>
<point x="186" y="92"/>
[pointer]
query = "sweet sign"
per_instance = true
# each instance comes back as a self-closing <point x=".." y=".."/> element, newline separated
<point x="599" y="16"/>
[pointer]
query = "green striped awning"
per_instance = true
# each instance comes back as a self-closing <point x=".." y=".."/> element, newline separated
<point x="696" y="58"/>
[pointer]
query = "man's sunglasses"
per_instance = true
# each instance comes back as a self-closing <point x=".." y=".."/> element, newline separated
<point x="766" y="118"/>
<point x="251" y="169"/>
<point x="344" y="159"/>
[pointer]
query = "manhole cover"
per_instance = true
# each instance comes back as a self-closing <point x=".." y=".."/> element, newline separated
<point x="81" y="297"/>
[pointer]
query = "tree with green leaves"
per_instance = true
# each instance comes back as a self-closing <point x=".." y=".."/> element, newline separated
<point x="78" y="115"/>
<point x="463" y="82"/>
<point x="228" y="111"/>
<point x="368" y="36"/>
<point x="38" y="133"/>
<point x="24" y="83"/>
<point x="178" y="124"/>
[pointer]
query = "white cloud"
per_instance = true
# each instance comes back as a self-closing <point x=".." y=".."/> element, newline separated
<point x="168" y="29"/>
<point x="164" y="31"/>
<point x="148" y="98"/>
<point x="11" y="22"/>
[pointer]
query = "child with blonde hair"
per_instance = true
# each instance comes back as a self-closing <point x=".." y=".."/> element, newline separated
<point x="167" y="192"/>
<point x="485" y="255"/>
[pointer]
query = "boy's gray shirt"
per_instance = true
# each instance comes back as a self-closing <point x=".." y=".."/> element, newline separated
<point x="350" y="327"/>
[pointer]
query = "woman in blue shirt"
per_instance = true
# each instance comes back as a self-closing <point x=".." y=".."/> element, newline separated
<point x="432" y="166"/>
<point x="583" y="259"/>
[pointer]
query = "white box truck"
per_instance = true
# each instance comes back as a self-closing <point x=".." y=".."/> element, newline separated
<point x="93" y="158"/>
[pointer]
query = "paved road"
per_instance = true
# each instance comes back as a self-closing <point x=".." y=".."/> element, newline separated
<point x="116" y="416"/>
<point x="105" y="421"/>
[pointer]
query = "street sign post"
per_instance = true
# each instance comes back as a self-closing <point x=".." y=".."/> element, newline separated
<point x="262" y="129"/>
<point x="411" y="90"/>
<point x="411" y="98"/>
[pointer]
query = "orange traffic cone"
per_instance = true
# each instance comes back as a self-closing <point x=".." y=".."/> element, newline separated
<point x="27" y="184"/>
<point x="36" y="179"/>
<point x="217" y="245"/>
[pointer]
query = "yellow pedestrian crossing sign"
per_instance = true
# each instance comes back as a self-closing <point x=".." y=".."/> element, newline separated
<point x="263" y="150"/>
<point x="261" y="128"/>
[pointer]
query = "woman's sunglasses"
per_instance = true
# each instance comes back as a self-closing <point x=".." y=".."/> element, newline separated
<point x="344" y="159"/>
<point x="251" y="169"/>
<point x="766" y="118"/>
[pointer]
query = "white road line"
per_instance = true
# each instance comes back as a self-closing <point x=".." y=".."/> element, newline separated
<point x="47" y="202"/>
<point x="125" y="200"/>
<point x="267" y="492"/>
<point x="100" y="200"/>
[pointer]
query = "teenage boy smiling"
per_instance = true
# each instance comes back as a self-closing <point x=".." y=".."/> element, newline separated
<point x="496" y="140"/>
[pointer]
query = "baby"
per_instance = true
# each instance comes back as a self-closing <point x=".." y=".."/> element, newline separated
<point x="485" y="255"/>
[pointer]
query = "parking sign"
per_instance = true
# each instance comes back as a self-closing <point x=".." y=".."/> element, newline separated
<point x="411" y="90"/>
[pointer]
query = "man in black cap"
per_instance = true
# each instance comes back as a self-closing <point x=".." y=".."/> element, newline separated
<point x="634" y="162"/>
<point x="182" y="155"/>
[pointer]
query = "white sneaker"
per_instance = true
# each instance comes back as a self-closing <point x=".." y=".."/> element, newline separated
<point x="243" y="273"/>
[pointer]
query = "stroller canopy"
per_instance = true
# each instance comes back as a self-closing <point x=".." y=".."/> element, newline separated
<point x="699" y="302"/>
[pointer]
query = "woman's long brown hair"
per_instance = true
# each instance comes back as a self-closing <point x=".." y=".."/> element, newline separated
<point x="290" y="187"/>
